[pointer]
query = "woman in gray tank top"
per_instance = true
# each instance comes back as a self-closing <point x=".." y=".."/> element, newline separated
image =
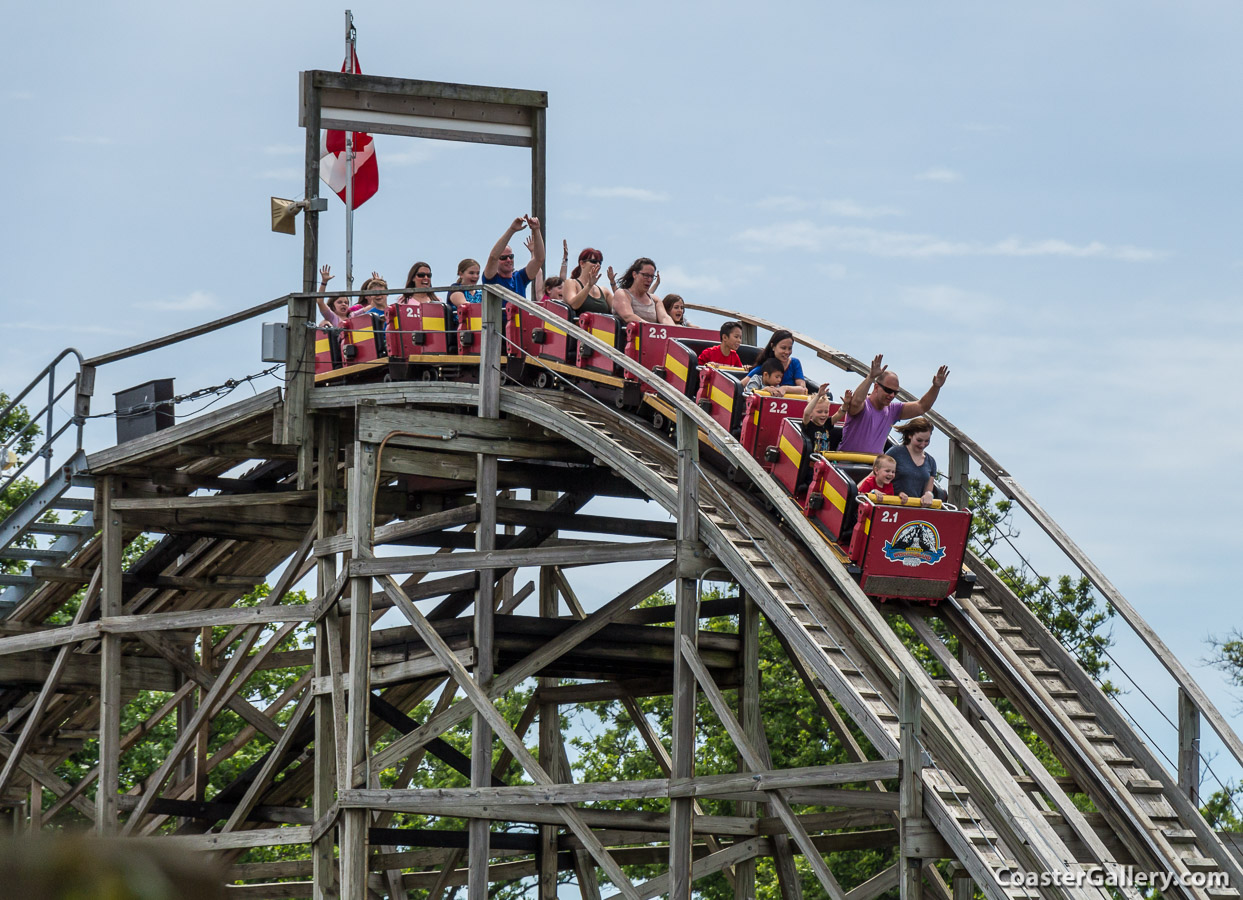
<point x="633" y="302"/>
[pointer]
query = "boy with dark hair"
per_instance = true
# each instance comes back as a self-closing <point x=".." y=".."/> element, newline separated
<point x="769" y="376"/>
<point x="727" y="353"/>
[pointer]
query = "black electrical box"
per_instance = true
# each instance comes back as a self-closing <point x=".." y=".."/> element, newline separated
<point x="144" y="409"/>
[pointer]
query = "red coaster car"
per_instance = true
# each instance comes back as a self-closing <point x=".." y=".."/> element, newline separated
<point x="762" y="421"/>
<point x="365" y="338"/>
<point x="909" y="551"/>
<point x="720" y="396"/>
<point x="328" y="349"/>
<point x="606" y="328"/>
<point x="470" y="323"/>
<point x="417" y="327"/>
<point x="649" y="345"/>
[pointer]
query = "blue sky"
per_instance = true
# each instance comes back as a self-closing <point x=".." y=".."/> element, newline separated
<point x="1043" y="197"/>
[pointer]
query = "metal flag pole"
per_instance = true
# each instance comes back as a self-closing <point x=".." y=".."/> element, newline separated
<point x="350" y="39"/>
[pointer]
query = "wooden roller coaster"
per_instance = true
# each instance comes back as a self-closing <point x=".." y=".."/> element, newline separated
<point x="315" y="479"/>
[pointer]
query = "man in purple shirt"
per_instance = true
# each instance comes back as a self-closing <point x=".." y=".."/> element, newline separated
<point x="870" y="416"/>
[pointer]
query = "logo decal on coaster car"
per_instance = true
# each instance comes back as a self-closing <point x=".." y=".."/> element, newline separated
<point x="915" y="544"/>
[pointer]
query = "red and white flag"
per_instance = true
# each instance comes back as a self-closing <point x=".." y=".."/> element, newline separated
<point x="334" y="169"/>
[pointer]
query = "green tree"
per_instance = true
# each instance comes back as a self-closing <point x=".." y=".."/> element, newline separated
<point x="13" y="425"/>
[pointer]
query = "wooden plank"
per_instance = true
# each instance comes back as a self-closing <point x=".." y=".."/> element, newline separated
<point x="686" y="631"/>
<point x="198" y="428"/>
<point x="242" y="840"/>
<point x="598" y="553"/>
<point x="363" y="85"/>
<point x="110" y="604"/>
<point x="219" y="501"/>
<point x="586" y="523"/>
<point x="360" y="523"/>
<point x="324" y="773"/>
<point x="911" y="788"/>
<point x="208" y="618"/>
<point x="378" y="422"/>
<point x="1188" y="747"/>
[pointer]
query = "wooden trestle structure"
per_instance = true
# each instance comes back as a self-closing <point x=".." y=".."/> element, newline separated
<point x="314" y="480"/>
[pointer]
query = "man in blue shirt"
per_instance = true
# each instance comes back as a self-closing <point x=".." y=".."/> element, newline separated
<point x="500" y="265"/>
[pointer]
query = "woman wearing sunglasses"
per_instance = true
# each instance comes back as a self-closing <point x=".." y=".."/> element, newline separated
<point x="582" y="291"/>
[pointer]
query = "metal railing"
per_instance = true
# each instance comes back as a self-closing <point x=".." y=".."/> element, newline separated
<point x="45" y="420"/>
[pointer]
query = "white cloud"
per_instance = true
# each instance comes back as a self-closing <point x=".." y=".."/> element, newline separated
<point x="851" y="210"/>
<point x="947" y="301"/>
<point x="939" y="173"/>
<point x="806" y="235"/>
<point x="19" y="95"/>
<point x="679" y="281"/>
<point x="193" y="301"/>
<point x="284" y="150"/>
<point x="835" y="271"/>
<point x="784" y="203"/>
<point x="619" y="192"/>
<point x="848" y="209"/>
<point x="95" y="140"/>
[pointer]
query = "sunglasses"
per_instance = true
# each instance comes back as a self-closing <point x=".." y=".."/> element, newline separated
<point x="506" y="256"/>
<point x="888" y="390"/>
<point x="593" y="259"/>
<point x="422" y="274"/>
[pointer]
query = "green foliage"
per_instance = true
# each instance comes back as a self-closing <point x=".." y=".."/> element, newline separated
<point x="12" y="496"/>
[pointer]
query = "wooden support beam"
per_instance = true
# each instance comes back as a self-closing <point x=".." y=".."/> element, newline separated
<point x="361" y="523"/>
<point x="686" y="632"/>
<point x="271" y="765"/>
<point x="110" y="661"/>
<point x="751" y="757"/>
<point x="519" y="672"/>
<point x="752" y="726"/>
<point x="911" y="787"/>
<point x="482" y="703"/>
<point x="587" y="553"/>
<point x="549" y="742"/>
<point x="485" y="607"/>
<point x="1188" y="747"/>
<point x="324" y="777"/>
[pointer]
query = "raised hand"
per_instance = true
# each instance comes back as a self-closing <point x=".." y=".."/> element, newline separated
<point x="565" y="250"/>
<point x="591" y="273"/>
<point x="518" y="224"/>
<point x="529" y="243"/>
<point x="325" y="275"/>
<point x="533" y="222"/>
<point x="612" y="277"/>
<point x="877" y="369"/>
<point x="939" y="378"/>
<point x="655" y="283"/>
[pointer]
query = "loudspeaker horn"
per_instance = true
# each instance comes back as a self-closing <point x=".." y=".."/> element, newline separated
<point x="283" y="213"/>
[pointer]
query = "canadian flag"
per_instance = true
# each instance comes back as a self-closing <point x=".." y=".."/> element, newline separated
<point x="334" y="169"/>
